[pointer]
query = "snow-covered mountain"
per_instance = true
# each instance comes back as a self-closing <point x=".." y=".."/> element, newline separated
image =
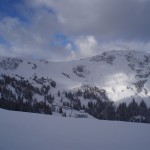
<point x="114" y="75"/>
<point x="123" y="74"/>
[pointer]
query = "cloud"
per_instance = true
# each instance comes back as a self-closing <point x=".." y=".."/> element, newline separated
<point x="77" y="28"/>
<point x="29" y="39"/>
<point x="106" y="18"/>
<point x="86" y="46"/>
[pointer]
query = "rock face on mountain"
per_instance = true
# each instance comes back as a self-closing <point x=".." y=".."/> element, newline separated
<point x="115" y="75"/>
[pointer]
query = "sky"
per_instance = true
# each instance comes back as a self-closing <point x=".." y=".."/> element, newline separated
<point x="62" y="30"/>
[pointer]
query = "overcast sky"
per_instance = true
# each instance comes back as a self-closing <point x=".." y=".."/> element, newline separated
<point x="61" y="30"/>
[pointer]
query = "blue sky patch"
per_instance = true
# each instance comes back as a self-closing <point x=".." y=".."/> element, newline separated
<point x="10" y="8"/>
<point x="60" y="39"/>
<point x="4" y="42"/>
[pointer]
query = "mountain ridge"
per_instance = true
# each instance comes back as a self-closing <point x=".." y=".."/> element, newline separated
<point x="118" y="76"/>
<point x="118" y="66"/>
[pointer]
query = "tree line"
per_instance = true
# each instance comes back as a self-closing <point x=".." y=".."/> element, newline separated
<point x="34" y="107"/>
<point x="132" y="112"/>
<point x="106" y="109"/>
<point x="22" y="97"/>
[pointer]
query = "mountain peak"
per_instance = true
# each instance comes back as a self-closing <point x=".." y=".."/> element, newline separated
<point x="123" y="75"/>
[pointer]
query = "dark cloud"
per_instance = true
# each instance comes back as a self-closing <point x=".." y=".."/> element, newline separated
<point x="127" y="19"/>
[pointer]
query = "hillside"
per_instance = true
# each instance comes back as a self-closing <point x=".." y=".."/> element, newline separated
<point x="117" y="76"/>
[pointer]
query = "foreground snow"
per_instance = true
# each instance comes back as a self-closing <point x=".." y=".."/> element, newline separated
<point x="27" y="131"/>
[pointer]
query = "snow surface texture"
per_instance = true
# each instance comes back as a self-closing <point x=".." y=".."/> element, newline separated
<point x="123" y="74"/>
<point x="27" y="131"/>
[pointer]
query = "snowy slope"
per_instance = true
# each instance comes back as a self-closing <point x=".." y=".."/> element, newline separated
<point x="26" y="131"/>
<point x="123" y="74"/>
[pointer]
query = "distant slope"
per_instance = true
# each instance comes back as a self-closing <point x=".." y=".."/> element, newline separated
<point x="26" y="131"/>
<point x="123" y="74"/>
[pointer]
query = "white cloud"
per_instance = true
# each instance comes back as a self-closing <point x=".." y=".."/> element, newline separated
<point x="86" y="46"/>
<point x="31" y="39"/>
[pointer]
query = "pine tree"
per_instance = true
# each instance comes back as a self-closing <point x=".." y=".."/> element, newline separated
<point x="133" y="109"/>
<point x="143" y="110"/>
<point x="122" y="112"/>
<point x="58" y="94"/>
<point x="60" y="110"/>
